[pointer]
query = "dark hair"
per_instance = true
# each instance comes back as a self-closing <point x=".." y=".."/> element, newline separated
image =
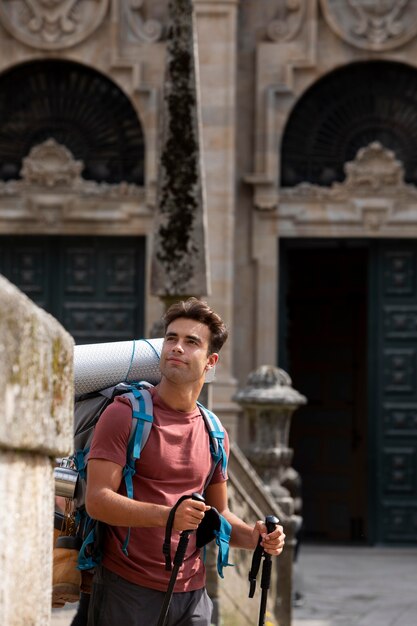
<point x="198" y="310"/>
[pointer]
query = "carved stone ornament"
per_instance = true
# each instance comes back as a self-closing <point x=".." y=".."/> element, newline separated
<point x="373" y="198"/>
<point x="52" y="24"/>
<point x="288" y="20"/>
<point x="372" y="24"/>
<point x="143" y="30"/>
<point x="50" y="164"/>
<point x="51" y="192"/>
<point x="374" y="167"/>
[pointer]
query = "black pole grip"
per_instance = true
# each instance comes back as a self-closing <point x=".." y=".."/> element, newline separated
<point x="182" y="547"/>
<point x="266" y="572"/>
<point x="271" y="522"/>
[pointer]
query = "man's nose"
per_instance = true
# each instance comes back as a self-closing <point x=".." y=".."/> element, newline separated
<point x="177" y="347"/>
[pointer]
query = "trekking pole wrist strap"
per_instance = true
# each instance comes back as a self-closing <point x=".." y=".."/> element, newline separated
<point x="256" y="563"/>
<point x="166" y="548"/>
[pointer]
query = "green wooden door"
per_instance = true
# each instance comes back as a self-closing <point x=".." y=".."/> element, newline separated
<point x="393" y="390"/>
<point x="348" y="339"/>
<point x="93" y="285"/>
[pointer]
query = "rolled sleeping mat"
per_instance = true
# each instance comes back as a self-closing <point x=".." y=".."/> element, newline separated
<point x="101" y="365"/>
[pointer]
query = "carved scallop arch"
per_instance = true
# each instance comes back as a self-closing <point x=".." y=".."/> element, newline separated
<point x="80" y="108"/>
<point x="346" y="110"/>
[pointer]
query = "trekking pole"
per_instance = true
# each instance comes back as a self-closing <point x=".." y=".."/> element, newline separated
<point x="270" y="522"/>
<point x="178" y="561"/>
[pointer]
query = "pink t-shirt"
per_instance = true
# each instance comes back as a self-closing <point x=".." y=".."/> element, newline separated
<point x="175" y="461"/>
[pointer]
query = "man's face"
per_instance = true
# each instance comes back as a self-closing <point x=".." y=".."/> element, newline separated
<point x="184" y="356"/>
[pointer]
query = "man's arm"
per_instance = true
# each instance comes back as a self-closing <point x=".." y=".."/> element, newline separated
<point x="105" y="504"/>
<point x="243" y="535"/>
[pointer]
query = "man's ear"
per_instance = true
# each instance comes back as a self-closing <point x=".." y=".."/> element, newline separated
<point x="212" y="360"/>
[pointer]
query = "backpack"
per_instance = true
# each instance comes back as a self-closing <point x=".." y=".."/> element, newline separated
<point x="87" y="411"/>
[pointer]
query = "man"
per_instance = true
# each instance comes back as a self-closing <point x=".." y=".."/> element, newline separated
<point x="129" y="587"/>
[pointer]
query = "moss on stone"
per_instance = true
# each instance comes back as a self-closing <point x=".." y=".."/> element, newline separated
<point x="179" y="200"/>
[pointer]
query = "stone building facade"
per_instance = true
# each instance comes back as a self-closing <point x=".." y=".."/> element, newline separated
<point x="309" y="137"/>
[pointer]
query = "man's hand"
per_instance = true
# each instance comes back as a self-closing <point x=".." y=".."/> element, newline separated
<point x="189" y="514"/>
<point x="272" y="543"/>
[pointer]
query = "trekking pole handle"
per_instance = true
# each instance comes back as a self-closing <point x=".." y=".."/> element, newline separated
<point x="184" y="537"/>
<point x="271" y="522"/>
<point x="198" y="498"/>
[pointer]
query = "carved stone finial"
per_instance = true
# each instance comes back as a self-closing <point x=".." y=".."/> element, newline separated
<point x="269" y="385"/>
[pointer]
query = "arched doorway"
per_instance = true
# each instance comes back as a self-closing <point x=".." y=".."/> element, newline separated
<point x="348" y="304"/>
<point x="70" y="143"/>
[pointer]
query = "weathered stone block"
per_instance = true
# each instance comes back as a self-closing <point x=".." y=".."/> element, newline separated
<point x="36" y="377"/>
<point x="26" y="530"/>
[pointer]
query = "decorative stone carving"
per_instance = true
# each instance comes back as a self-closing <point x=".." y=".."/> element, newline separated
<point x="372" y="24"/>
<point x="287" y="23"/>
<point x="374" y="167"/>
<point x="374" y="197"/>
<point x="51" y="191"/>
<point x="52" y="24"/>
<point x="142" y="29"/>
<point x="51" y="164"/>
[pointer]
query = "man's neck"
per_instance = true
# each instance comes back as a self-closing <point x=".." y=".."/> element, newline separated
<point x="179" y="397"/>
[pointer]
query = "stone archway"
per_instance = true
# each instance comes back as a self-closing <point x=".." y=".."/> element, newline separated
<point x="344" y="111"/>
<point x="79" y="108"/>
<point x="73" y="212"/>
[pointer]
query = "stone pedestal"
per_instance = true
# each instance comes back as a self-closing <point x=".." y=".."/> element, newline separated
<point x="36" y="423"/>
<point x="268" y="401"/>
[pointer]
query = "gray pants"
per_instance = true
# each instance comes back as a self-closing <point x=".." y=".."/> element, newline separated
<point x="116" y="602"/>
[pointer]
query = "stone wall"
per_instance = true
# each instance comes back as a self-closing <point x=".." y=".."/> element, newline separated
<point x="36" y="400"/>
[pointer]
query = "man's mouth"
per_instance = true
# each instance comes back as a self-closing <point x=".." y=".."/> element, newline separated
<point x="175" y="360"/>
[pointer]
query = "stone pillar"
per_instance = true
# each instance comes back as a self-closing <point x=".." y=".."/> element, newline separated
<point x="179" y="267"/>
<point x="36" y="424"/>
<point x="268" y="402"/>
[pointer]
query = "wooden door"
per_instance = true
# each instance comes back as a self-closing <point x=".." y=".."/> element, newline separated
<point x="93" y="285"/>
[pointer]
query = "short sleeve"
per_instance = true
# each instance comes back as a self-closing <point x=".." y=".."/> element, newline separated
<point x="111" y="434"/>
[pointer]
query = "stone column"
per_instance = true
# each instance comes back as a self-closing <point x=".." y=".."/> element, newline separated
<point x="179" y="267"/>
<point x="268" y="402"/>
<point x="217" y="49"/>
<point x="36" y="424"/>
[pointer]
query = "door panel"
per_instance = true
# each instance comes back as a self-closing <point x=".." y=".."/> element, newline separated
<point x="394" y="391"/>
<point x="349" y="342"/>
<point x="93" y="285"/>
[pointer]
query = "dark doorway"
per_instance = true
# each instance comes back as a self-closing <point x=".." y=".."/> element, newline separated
<point x="94" y="286"/>
<point x="323" y="346"/>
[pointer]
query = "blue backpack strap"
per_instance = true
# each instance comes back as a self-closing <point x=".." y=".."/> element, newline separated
<point x="142" y="419"/>
<point x="223" y="541"/>
<point x="218" y="455"/>
<point x="216" y="432"/>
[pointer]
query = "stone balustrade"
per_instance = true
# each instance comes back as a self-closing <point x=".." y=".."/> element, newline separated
<point x="268" y="401"/>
